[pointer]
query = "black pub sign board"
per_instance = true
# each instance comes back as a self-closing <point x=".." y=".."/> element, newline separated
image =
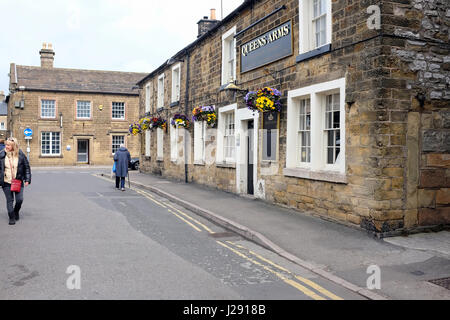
<point x="271" y="46"/>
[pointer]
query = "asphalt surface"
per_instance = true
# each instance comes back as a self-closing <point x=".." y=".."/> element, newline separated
<point x="135" y="245"/>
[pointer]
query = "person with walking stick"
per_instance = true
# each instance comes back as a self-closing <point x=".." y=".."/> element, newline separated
<point x="122" y="157"/>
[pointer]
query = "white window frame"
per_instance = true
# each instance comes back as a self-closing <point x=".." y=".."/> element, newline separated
<point x="306" y="28"/>
<point x="317" y="93"/>
<point x="199" y="141"/>
<point x="51" y="154"/>
<point x="176" y="82"/>
<point x="160" y="103"/>
<point x="173" y="142"/>
<point x="300" y="130"/>
<point x="220" y="154"/>
<point x="54" y="109"/>
<point x="227" y="40"/>
<point x="124" y="110"/>
<point x="148" y="139"/>
<point x="2" y="126"/>
<point x="112" y="142"/>
<point x="90" y="109"/>
<point x="160" y="144"/>
<point x="148" y="93"/>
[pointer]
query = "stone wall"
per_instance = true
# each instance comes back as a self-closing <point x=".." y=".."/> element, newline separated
<point x="421" y="60"/>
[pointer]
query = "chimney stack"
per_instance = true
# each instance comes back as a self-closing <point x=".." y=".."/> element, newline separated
<point x="47" y="56"/>
<point x="206" y="24"/>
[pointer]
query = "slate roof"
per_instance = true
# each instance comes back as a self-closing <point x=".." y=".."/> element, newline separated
<point x="76" y="80"/>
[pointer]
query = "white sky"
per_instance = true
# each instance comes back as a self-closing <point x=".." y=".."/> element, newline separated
<point x="115" y="35"/>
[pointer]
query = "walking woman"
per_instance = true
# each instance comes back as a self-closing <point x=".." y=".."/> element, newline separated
<point x="122" y="158"/>
<point x="13" y="165"/>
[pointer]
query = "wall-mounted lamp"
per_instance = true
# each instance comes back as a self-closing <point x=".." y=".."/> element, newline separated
<point x="231" y="86"/>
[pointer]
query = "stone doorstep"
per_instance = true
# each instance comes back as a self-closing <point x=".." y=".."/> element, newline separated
<point x="258" y="238"/>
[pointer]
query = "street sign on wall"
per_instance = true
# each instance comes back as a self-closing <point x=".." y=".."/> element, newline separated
<point x="271" y="46"/>
<point x="28" y="132"/>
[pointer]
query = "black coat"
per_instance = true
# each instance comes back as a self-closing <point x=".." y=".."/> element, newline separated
<point x="23" y="168"/>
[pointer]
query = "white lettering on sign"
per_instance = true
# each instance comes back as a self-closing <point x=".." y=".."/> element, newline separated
<point x="279" y="33"/>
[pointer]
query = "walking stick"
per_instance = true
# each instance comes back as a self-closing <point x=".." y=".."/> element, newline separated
<point x="129" y="186"/>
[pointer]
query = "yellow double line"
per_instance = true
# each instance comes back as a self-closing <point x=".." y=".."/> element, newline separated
<point x="298" y="285"/>
<point x="314" y="291"/>
<point x="195" y="224"/>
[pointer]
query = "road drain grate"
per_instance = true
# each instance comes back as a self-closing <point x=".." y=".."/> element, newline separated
<point x="223" y="234"/>
<point x="445" y="282"/>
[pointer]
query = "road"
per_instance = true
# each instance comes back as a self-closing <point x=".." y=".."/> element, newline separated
<point x="80" y="238"/>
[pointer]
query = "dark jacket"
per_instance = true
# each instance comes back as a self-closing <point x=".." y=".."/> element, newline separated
<point x="23" y="168"/>
<point x="122" y="157"/>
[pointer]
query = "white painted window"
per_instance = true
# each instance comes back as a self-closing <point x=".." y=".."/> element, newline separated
<point x="304" y="132"/>
<point x="116" y="142"/>
<point x="50" y="143"/>
<point x="173" y="142"/>
<point x="160" y="143"/>
<point x="161" y="91"/>
<point x="176" y="80"/>
<point x="148" y="92"/>
<point x="118" y="110"/>
<point x="148" y="138"/>
<point x="229" y="56"/>
<point x="316" y="127"/>
<point x="199" y="141"/>
<point x="2" y="126"/>
<point x="226" y="140"/>
<point x="48" y="109"/>
<point x="83" y="109"/>
<point x="315" y="24"/>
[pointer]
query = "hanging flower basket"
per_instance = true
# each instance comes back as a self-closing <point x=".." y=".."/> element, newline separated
<point x="265" y="99"/>
<point x="145" y="123"/>
<point x="135" y="128"/>
<point x="180" y="120"/>
<point x="205" y="113"/>
<point x="158" y="122"/>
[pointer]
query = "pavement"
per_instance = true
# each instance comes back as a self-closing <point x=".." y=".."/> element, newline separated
<point x="339" y="253"/>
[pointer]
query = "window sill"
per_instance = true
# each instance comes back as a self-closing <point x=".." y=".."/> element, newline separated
<point x="51" y="157"/>
<point x="328" y="176"/>
<point x="160" y="159"/>
<point x="174" y="104"/>
<point x="313" y="53"/>
<point x="199" y="163"/>
<point x="226" y="165"/>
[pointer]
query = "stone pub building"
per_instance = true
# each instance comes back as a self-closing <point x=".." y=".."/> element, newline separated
<point x="363" y="136"/>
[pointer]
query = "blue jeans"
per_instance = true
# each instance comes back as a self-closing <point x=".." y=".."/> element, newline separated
<point x="120" y="180"/>
<point x="10" y="196"/>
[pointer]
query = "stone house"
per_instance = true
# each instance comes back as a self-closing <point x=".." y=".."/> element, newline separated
<point x="363" y="137"/>
<point x="76" y="116"/>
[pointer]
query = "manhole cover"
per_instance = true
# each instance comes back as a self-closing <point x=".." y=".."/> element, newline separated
<point x="222" y="234"/>
<point x="445" y="282"/>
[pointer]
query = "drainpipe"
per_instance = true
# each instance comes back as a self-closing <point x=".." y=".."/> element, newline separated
<point x="186" y="101"/>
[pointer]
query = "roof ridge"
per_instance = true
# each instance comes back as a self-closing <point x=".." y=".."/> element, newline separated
<point x="84" y="70"/>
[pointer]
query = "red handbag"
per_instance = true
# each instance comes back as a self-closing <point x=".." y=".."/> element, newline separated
<point x="16" y="185"/>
